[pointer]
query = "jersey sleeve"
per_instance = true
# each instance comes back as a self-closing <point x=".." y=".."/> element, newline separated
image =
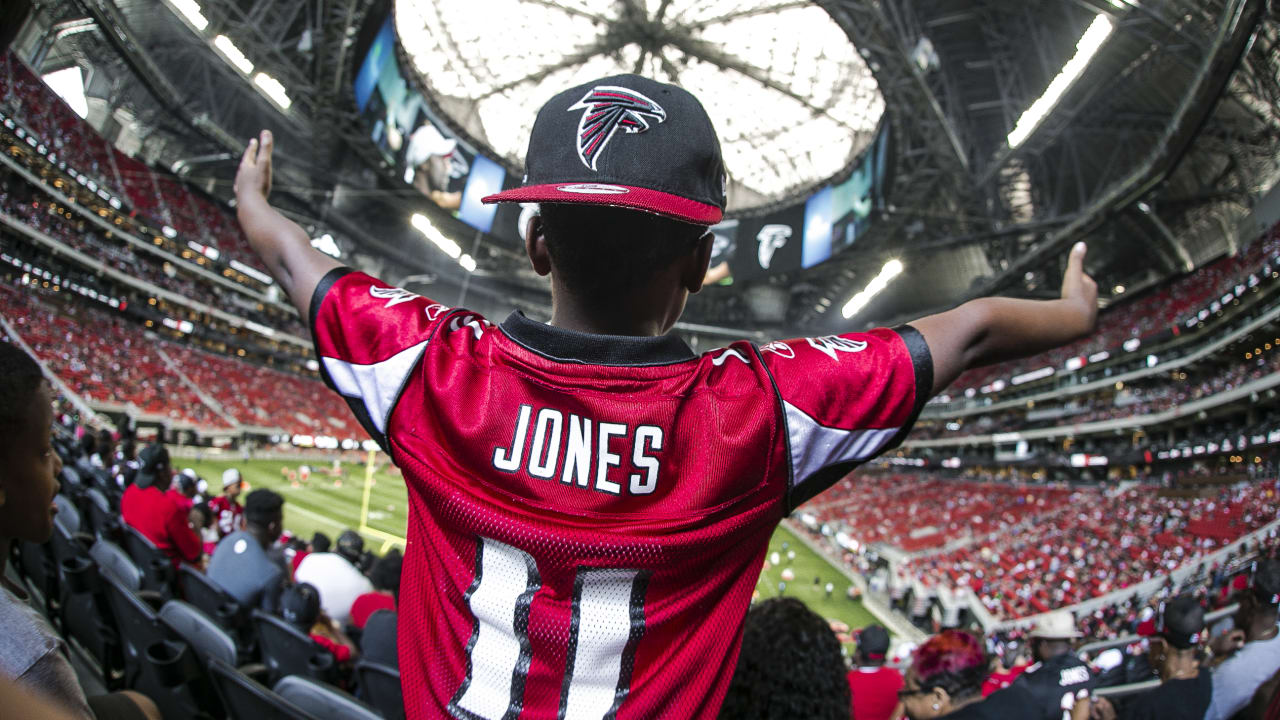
<point x="368" y="338"/>
<point x="846" y="399"/>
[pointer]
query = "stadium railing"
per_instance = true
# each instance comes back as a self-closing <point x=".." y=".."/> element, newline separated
<point x="1091" y="649"/>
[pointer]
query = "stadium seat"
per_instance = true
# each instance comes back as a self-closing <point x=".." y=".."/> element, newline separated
<point x="40" y="571"/>
<point x="201" y="632"/>
<point x="288" y="651"/>
<point x="245" y="699"/>
<point x="68" y="513"/>
<point x="157" y="570"/>
<point x="157" y="664"/>
<point x="324" y="702"/>
<point x="201" y="591"/>
<point x="103" y="521"/>
<point x="380" y="686"/>
<point x="378" y="641"/>
<point x="113" y="560"/>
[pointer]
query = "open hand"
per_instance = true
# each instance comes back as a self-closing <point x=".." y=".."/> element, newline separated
<point x="254" y="174"/>
<point x="1078" y="287"/>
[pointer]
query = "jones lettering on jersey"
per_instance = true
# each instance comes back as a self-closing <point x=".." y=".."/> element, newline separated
<point x="1073" y="676"/>
<point x="592" y="451"/>
<point x="831" y="344"/>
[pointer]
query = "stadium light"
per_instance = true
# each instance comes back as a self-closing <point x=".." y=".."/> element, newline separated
<point x="273" y="89"/>
<point x="1092" y="39"/>
<point x="891" y="270"/>
<point x="450" y="248"/>
<point x="191" y="10"/>
<point x="232" y="53"/>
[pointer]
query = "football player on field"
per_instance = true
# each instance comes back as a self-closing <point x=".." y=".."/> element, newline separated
<point x="590" y="500"/>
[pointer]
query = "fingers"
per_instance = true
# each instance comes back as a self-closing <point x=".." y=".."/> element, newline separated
<point x="1075" y="261"/>
<point x="250" y="153"/>
<point x="267" y="144"/>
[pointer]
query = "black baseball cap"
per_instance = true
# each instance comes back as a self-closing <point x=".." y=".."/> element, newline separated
<point x="625" y="141"/>
<point x="1265" y="583"/>
<point x="350" y="544"/>
<point x="873" y="642"/>
<point x="300" y="604"/>
<point x="1180" y="622"/>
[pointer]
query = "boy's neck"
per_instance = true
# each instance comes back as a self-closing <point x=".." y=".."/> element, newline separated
<point x="645" y="315"/>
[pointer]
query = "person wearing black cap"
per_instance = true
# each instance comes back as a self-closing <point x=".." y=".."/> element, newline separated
<point x="300" y="607"/>
<point x="874" y="686"/>
<point x="1175" y="651"/>
<point x="147" y="508"/>
<point x="578" y="458"/>
<point x="1237" y="679"/>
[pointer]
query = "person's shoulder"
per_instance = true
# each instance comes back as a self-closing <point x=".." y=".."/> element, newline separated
<point x="27" y="637"/>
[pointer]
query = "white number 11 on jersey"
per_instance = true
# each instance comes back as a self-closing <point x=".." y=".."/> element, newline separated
<point x="606" y="624"/>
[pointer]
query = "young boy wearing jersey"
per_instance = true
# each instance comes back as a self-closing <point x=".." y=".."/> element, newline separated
<point x="590" y="500"/>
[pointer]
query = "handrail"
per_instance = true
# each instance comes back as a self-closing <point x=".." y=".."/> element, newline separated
<point x="1118" y="691"/>
<point x="1091" y="648"/>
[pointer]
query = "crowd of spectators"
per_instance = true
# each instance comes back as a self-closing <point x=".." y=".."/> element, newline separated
<point x="1043" y="546"/>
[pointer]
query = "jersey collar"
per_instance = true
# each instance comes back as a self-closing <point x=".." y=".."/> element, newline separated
<point x="571" y="346"/>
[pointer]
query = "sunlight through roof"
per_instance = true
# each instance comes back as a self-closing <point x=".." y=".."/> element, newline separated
<point x="792" y="100"/>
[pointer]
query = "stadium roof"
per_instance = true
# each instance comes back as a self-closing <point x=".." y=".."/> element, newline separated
<point x="793" y="101"/>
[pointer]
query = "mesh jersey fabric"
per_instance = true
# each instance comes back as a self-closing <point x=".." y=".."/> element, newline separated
<point x="588" y="514"/>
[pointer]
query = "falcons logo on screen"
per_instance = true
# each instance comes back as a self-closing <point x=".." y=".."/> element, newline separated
<point x="605" y="110"/>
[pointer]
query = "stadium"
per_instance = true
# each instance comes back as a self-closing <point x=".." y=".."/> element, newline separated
<point x="640" y="358"/>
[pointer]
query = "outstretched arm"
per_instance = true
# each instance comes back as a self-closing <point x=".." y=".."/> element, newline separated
<point x="991" y="330"/>
<point x="280" y="242"/>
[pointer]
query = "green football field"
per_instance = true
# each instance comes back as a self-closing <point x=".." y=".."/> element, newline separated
<point x="331" y="505"/>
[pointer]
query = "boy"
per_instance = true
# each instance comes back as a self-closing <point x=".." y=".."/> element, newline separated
<point x="227" y="511"/>
<point x="590" y="501"/>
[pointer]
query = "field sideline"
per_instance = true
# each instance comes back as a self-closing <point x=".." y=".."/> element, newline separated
<point x="320" y="505"/>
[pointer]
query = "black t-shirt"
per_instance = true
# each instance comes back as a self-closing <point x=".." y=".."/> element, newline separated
<point x="1173" y="700"/>
<point x="1037" y="693"/>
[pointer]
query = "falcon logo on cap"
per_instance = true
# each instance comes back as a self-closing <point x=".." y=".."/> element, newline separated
<point x="605" y="109"/>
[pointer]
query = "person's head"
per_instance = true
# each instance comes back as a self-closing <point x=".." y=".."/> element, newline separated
<point x="790" y="666"/>
<point x="300" y="605"/>
<point x="320" y="542"/>
<point x="1259" y="605"/>
<point x="1179" y="633"/>
<point x="629" y="175"/>
<point x="948" y="670"/>
<point x="873" y="645"/>
<point x="1052" y="635"/>
<point x="231" y="483"/>
<point x="264" y="515"/>
<point x="385" y="575"/>
<point x="350" y="546"/>
<point x="30" y="478"/>
<point x="106" y="444"/>
<point x="153" y="468"/>
<point x="201" y="515"/>
<point x="604" y="256"/>
<point x="187" y="482"/>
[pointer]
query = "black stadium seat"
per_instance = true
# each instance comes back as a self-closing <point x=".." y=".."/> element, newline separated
<point x="378" y="642"/>
<point x="68" y="513"/>
<point x="380" y="686"/>
<point x="288" y="651"/>
<point x="157" y="570"/>
<point x="209" y="640"/>
<point x="158" y="664"/>
<point x="245" y="699"/>
<point x="200" y="590"/>
<point x="111" y="559"/>
<point x="324" y="702"/>
<point x="103" y="521"/>
<point x="40" y="571"/>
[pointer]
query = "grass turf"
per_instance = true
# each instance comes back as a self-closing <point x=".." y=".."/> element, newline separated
<point x="320" y="506"/>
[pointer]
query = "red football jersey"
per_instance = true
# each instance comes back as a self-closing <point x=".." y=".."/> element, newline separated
<point x="228" y="515"/>
<point x="588" y="514"/>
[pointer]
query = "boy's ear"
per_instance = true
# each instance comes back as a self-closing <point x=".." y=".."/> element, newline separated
<point x="535" y="245"/>
<point x="699" y="260"/>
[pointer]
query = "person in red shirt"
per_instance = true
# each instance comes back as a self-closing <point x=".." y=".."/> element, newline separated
<point x="385" y="577"/>
<point x="874" y="687"/>
<point x="147" y="507"/>
<point x="183" y="490"/>
<point x="227" y="513"/>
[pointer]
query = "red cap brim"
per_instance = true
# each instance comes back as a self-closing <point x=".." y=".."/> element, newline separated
<point x="636" y="198"/>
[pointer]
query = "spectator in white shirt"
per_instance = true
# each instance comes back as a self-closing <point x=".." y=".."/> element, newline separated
<point x="336" y="577"/>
